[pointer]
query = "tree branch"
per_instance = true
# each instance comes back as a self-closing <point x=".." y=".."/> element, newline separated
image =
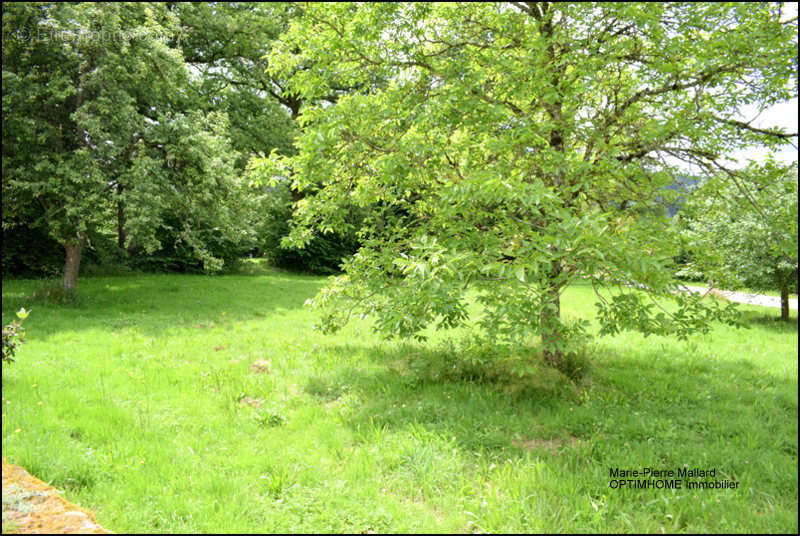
<point x="748" y="126"/>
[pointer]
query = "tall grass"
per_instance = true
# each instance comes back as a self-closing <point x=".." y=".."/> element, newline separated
<point x="139" y="401"/>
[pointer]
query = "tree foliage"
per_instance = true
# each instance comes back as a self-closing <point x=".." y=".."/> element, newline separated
<point x="98" y="125"/>
<point x="513" y="148"/>
<point x="323" y="253"/>
<point x="745" y="233"/>
<point x="226" y="44"/>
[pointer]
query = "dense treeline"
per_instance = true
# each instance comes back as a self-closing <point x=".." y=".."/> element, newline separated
<point x="126" y="133"/>
<point x="185" y="136"/>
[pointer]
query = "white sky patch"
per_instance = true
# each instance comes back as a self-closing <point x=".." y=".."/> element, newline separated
<point x="782" y="115"/>
<point x="788" y="10"/>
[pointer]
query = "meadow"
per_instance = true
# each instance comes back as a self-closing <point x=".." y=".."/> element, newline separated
<point x="191" y="403"/>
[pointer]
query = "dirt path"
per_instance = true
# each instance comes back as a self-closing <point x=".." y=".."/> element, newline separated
<point x="743" y="297"/>
<point x="32" y="507"/>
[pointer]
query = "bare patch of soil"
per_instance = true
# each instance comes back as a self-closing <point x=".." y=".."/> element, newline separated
<point x="252" y="402"/>
<point x="32" y="507"/>
<point x="261" y="366"/>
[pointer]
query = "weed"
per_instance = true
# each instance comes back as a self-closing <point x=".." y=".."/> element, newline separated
<point x="269" y="417"/>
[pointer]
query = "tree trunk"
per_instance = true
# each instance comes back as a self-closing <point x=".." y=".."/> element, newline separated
<point x="296" y="195"/>
<point x="121" y="235"/>
<point x="784" y="303"/>
<point x="550" y="317"/>
<point x="550" y="321"/>
<point x="72" y="264"/>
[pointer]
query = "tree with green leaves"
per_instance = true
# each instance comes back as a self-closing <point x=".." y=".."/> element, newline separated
<point x="515" y="148"/>
<point x="98" y="126"/>
<point x="226" y="44"/>
<point x="745" y="233"/>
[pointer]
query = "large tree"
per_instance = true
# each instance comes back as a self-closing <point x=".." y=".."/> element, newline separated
<point x="519" y="147"/>
<point x="226" y="44"/>
<point x="98" y="126"/>
<point x="745" y="234"/>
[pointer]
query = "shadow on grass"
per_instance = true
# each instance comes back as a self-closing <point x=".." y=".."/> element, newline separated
<point x="662" y="402"/>
<point x="156" y="302"/>
<point x="771" y="322"/>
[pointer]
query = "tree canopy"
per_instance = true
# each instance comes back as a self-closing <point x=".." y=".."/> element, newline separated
<point x="97" y="120"/>
<point x="509" y="149"/>
<point x="225" y="44"/>
<point x="745" y="233"/>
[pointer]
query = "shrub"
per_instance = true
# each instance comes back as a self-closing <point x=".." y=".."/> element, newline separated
<point x="29" y="250"/>
<point x="322" y="254"/>
<point x="175" y="254"/>
<point x="13" y="336"/>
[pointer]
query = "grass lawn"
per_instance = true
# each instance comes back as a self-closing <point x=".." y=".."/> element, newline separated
<point x="142" y="403"/>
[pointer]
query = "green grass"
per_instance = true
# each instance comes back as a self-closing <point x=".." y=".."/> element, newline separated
<point x="131" y="400"/>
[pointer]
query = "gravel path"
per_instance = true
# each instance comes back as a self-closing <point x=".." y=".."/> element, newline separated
<point x="743" y="297"/>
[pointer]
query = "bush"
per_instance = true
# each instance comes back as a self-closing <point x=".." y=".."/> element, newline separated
<point x="29" y="251"/>
<point x="13" y="336"/>
<point x="322" y="255"/>
<point x="103" y="257"/>
<point x="176" y="255"/>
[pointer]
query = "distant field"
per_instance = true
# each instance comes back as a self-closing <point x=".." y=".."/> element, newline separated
<point x="187" y="403"/>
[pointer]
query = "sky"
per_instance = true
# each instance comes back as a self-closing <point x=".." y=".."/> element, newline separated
<point x="780" y="115"/>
